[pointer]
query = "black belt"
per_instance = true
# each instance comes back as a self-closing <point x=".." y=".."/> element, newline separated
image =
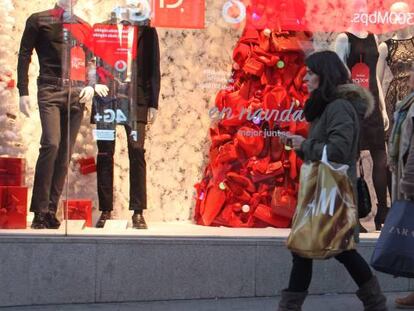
<point x="60" y="82"/>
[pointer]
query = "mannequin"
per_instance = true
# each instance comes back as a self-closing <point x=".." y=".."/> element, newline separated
<point x="60" y="99"/>
<point x="132" y="81"/>
<point x="398" y="54"/>
<point x="358" y="47"/>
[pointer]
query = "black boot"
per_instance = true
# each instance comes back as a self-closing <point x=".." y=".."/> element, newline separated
<point x="292" y="301"/>
<point x="51" y="221"/>
<point x="371" y="296"/>
<point x="105" y="215"/>
<point x="39" y="221"/>
<point x="138" y="221"/>
<point x="382" y="212"/>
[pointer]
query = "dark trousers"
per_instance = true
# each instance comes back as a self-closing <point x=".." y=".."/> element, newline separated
<point x="379" y="176"/>
<point x="137" y="171"/>
<point x="60" y="127"/>
<point x="301" y="274"/>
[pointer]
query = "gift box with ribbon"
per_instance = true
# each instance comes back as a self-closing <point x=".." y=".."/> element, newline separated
<point x="78" y="209"/>
<point x="87" y="165"/>
<point x="13" y="207"/>
<point x="12" y="171"/>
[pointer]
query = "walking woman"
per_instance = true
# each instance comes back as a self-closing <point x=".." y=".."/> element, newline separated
<point x="401" y="161"/>
<point x="334" y="110"/>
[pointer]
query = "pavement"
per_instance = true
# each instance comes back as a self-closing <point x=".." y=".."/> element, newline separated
<point x="329" y="302"/>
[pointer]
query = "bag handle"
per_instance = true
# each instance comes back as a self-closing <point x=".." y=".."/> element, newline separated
<point x="361" y="168"/>
<point x="325" y="154"/>
<point x="335" y="167"/>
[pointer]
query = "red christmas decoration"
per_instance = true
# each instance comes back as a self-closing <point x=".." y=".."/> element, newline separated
<point x="87" y="165"/>
<point x="13" y="207"/>
<point x="79" y="210"/>
<point x="251" y="179"/>
<point x="12" y="171"/>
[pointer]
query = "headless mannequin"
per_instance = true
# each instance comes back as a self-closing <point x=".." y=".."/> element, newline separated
<point x="398" y="88"/>
<point x="85" y="95"/>
<point x="378" y="155"/>
<point x="122" y="18"/>
<point x="61" y="105"/>
<point x="403" y="34"/>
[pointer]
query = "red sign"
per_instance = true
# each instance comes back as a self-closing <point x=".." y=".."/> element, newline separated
<point x="114" y="43"/>
<point x="77" y="64"/>
<point x="178" y="14"/>
<point x="360" y="75"/>
<point x="377" y="16"/>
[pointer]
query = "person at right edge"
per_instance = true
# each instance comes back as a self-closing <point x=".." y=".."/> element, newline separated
<point x="401" y="161"/>
<point x="335" y="109"/>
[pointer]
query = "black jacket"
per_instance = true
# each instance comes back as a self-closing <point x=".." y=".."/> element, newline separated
<point x="339" y="128"/>
<point x="44" y="33"/>
<point x="146" y="82"/>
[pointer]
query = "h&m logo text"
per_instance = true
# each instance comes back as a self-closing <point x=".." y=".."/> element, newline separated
<point x="402" y="231"/>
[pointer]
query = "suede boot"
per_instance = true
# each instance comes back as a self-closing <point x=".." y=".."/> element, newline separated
<point x="405" y="302"/>
<point x="371" y="296"/>
<point x="292" y="301"/>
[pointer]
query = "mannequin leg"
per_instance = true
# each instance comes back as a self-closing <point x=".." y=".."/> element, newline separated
<point x="137" y="170"/>
<point x="65" y="151"/>
<point x="379" y="176"/>
<point x="137" y="174"/>
<point x="105" y="174"/>
<point x="50" y="120"/>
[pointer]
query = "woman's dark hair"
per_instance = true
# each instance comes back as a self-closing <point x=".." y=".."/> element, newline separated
<point x="331" y="71"/>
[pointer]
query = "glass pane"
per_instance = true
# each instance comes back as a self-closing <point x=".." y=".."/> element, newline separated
<point x="224" y="80"/>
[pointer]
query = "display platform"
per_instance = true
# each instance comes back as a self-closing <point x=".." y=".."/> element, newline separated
<point x="162" y="229"/>
<point x="168" y="261"/>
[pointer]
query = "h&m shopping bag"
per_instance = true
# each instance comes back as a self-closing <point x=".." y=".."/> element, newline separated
<point x="326" y="215"/>
<point x="394" y="252"/>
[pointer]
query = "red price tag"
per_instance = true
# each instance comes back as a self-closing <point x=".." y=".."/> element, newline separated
<point x="77" y="64"/>
<point x="360" y="75"/>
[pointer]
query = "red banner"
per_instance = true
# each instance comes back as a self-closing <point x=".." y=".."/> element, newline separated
<point x="178" y="14"/>
<point x="377" y="16"/>
<point x="112" y="43"/>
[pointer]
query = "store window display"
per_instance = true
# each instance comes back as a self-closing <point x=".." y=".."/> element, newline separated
<point x="128" y="76"/>
<point x="245" y="62"/>
<point x="61" y="100"/>
<point x="358" y="49"/>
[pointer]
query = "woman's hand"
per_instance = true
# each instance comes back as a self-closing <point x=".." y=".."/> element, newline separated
<point x="294" y="141"/>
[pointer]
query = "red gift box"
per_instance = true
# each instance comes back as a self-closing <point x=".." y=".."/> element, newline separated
<point x="87" y="165"/>
<point x="79" y="210"/>
<point x="12" y="180"/>
<point x="12" y="171"/>
<point x="13" y="207"/>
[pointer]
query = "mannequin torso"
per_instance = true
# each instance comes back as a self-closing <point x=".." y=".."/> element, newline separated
<point x="398" y="54"/>
<point x="360" y="46"/>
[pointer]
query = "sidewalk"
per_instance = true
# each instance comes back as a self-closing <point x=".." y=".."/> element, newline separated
<point x="313" y="303"/>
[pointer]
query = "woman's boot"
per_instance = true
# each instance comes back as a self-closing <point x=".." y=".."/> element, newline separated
<point x="371" y="296"/>
<point x="292" y="301"/>
<point x="406" y="302"/>
<point x="382" y="212"/>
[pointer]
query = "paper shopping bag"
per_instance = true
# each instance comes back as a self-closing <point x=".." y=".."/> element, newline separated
<point x="326" y="215"/>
